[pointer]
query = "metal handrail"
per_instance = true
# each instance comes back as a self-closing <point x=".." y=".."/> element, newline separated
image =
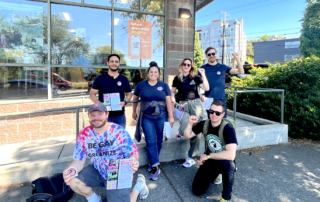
<point x="259" y="90"/>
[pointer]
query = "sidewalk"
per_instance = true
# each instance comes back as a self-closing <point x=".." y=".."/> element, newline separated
<point x="276" y="173"/>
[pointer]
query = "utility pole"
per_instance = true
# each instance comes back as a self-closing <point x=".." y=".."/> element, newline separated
<point x="224" y="36"/>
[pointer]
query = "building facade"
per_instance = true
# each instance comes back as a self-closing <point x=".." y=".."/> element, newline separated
<point x="52" y="50"/>
<point x="280" y="50"/>
<point x="236" y="40"/>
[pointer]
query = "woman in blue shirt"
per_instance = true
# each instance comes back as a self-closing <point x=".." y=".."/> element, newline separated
<point x="187" y="84"/>
<point x="155" y="106"/>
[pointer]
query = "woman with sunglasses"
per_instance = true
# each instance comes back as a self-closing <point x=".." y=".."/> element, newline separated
<point x="187" y="84"/>
<point x="155" y="107"/>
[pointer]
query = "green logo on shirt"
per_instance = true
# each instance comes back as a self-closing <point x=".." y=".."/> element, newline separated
<point x="214" y="144"/>
<point x="192" y="82"/>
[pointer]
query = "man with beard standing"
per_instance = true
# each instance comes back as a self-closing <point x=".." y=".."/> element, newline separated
<point x="112" y="82"/>
<point x="102" y="142"/>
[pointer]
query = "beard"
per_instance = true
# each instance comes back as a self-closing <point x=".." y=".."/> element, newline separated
<point x="98" y="125"/>
<point x="114" y="70"/>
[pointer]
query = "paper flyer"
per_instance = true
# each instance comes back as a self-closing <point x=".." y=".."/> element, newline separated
<point x="207" y="103"/>
<point x="112" y="101"/>
<point x="179" y="110"/>
<point x="167" y="130"/>
<point x="119" y="174"/>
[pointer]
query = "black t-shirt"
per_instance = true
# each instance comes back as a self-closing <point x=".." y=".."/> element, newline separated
<point x="188" y="88"/>
<point x="212" y="139"/>
<point x="107" y="84"/>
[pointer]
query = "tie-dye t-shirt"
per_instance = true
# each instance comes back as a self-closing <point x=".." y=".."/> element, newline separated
<point x="113" y="144"/>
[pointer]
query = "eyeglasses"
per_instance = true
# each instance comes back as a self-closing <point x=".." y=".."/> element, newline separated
<point x="216" y="112"/>
<point x="209" y="54"/>
<point x="184" y="64"/>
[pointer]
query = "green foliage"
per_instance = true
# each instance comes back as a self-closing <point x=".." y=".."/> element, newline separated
<point x="198" y="53"/>
<point x="310" y="36"/>
<point x="300" y="79"/>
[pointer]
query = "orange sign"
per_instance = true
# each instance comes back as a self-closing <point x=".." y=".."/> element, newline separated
<point x="139" y="39"/>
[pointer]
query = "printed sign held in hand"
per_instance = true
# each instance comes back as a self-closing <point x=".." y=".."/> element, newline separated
<point x="73" y="172"/>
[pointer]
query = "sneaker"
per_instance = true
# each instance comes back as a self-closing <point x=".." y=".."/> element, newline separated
<point x="149" y="167"/>
<point x="223" y="200"/>
<point x="189" y="162"/>
<point x="143" y="194"/>
<point x="154" y="173"/>
<point x="218" y="180"/>
<point x="178" y="136"/>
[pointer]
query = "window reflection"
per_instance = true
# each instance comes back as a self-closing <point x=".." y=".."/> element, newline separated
<point x="156" y="6"/>
<point x="77" y="39"/>
<point x="99" y="2"/>
<point x="24" y="83"/>
<point x="129" y="4"/>
<point x="139" y="38"/>
<point x="23" y="32"/>
<point x="135" y="76"/>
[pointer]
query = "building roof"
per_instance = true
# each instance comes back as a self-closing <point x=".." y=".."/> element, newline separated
<point x="203" y="3"/>
<point x="289" y="39"/>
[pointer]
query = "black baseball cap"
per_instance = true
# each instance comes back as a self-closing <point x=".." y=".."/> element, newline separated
<point x="98" y="107"/>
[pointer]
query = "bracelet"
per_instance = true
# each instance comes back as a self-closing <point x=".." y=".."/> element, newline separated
<point x="208" y="156"/>
<point x="125" y="102"/>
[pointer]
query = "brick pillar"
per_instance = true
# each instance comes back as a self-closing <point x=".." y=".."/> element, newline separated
<point x="180" y="36"/>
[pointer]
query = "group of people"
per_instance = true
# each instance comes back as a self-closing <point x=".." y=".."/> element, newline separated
<point x="10" y="37"/>
<point x="154" y="109"/>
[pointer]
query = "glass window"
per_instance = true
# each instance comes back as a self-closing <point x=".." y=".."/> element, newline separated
<point x="129" y="4"/>
<point x="292" y="44"/>
<point x="231" y="40"/>
<point x="77" y="1"/>
<point x="219" y="31"/>
<point x="99" y="2"/>
<point x="23" y="32"/>
<point x="156" y="6"/>
<point x="290" y="57"/>
<point x="228" y="41"/>
<point x="137" y="75"/>
<point x="232" y="30"/>
<point x="227" y="31"/>
<point x="139" y="38"/>
<point x="77" y="39"/>
<point x="24" y="83"/>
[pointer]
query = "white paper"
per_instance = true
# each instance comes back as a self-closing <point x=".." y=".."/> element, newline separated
<point x="112" y="101"/>
<point x="167" y="130"/>
<point x="207" y="103"/>
<point x="179" y="111"/>
<point x="119" y="174"/>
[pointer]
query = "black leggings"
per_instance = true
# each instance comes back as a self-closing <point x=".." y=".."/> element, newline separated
<point x="210" y="171"/>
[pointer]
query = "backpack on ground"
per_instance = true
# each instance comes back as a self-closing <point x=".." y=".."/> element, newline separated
<point x="50" y="189"/>
<point x="224" y="122"/>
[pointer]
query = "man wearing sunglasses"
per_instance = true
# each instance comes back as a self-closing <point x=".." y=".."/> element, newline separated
<point x="216" y="74"/>
<point x="219" y="155"/>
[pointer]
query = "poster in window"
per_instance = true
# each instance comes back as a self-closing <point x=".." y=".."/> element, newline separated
<point x="139" y="39"/>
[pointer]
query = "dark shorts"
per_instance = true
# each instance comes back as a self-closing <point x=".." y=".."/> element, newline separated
<point x="92" y="178"/>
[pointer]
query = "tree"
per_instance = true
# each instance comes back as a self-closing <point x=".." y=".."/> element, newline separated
<point x="310" y="36"/>
<point x="198" y="52"/>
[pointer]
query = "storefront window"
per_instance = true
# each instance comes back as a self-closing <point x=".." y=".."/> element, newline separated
<point x="99" y="2"/>
<point x="129" y="4"/>
<point x="23" y="32"/>
<point x="156" y="6"/>
<point x="24" y="83"/>
<point x="77" y="39"/>
<point x="135" y="76"/>
<point x="139" y="38"/>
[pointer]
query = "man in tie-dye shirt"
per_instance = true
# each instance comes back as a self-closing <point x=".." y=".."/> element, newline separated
<point x="102" y="142"/>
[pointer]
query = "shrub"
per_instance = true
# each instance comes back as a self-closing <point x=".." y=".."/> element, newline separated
<point x="301" y="81"/>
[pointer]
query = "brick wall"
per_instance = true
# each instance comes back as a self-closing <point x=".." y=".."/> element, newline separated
<point x="23" y="128"/>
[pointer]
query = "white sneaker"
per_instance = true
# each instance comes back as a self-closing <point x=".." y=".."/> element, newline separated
<point x="143" y="194"/>
<point x="189" y="162"/>
<point x="218" y="180"/>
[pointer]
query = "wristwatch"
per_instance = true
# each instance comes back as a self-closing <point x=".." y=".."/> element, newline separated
<point x="125" y="102"/>
<point x="208" y="156"/>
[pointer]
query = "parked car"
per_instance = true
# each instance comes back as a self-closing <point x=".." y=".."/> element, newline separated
<point x="60" y="82"/>
<point x="22" y="89"/>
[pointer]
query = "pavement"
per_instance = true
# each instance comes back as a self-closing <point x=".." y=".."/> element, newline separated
<point x="286" y="172"/>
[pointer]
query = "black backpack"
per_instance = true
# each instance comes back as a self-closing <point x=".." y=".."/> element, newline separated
<point x="50" y="189"/>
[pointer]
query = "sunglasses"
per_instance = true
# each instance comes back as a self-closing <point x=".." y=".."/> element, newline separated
<point x="216" y="112"/>
<point x="184" y="64"/>
<point x="209" y="54"/>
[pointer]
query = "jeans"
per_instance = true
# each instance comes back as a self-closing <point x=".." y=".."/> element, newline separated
<point x="120" y="120"/>
<point x="209" y="171"/>
<point x="152" y="126"/>
<point x="225" y="108"/>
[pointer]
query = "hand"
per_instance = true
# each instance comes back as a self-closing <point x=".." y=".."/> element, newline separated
<point x="171" y="121"/>
<point x="134" y="116"/>
<point x="135" y="166"/>
<point x="66" y="176"/>
<point x="235" y="55"/>
<point x="173" y="99"/>
<point x="122" y="104"/>
<point x="203" y="158"/>
<point x="202" y="71"/>
<point x="202" y="98"/>
<point x="193" y="119"/>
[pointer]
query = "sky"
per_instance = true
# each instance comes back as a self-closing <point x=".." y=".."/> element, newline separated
<point x="271" y="17"/>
